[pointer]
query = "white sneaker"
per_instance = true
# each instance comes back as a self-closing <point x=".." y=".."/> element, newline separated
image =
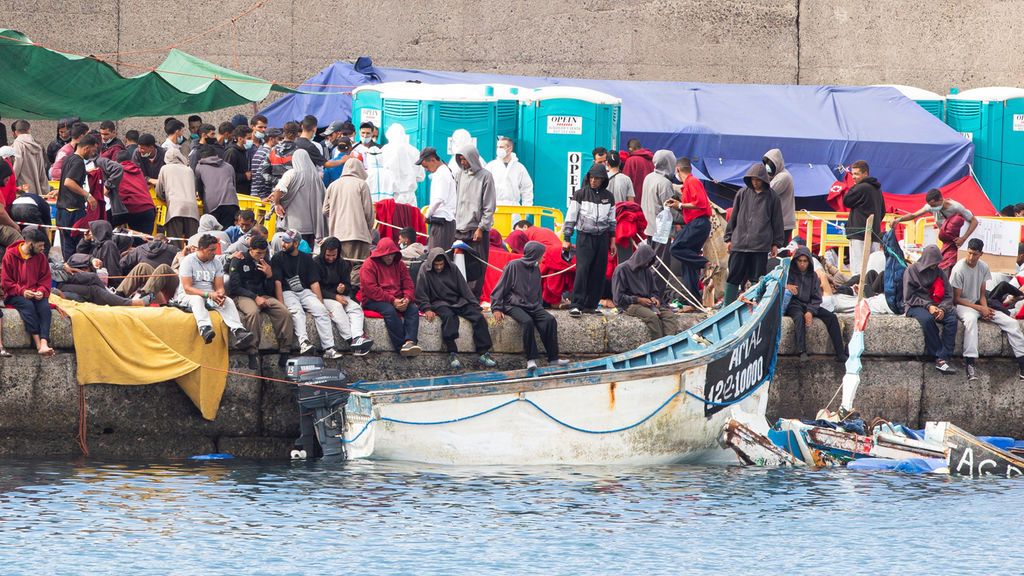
<point x="531" y="364"/>
<point x="561" y="362"/>
<point x="361" y="346"/>
<point x="332" y="354"/>
<point x="305" y="347"/>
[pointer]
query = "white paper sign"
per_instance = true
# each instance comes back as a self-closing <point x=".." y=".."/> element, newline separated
<point x="370" y="115"/>
<point x="1018" y="122"/>
<point x="574" y="166"/>
<point x="565" y="125"/>
<point x="1000" y="236"/>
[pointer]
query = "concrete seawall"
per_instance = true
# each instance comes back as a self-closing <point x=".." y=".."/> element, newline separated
<point x="39" y="414"/>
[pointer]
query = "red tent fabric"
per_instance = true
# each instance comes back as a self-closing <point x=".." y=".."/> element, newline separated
<point x="965" y="191"/>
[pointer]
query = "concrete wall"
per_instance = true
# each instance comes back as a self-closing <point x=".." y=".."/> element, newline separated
<point x="39" y="397"/>
<point x="965" y="43"/>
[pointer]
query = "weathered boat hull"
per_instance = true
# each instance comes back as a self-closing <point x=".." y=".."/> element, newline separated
<point x="666" y="402"/>
<point x="966" y="455"/>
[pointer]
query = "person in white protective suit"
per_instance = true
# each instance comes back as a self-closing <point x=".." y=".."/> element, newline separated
<point x="380" y="180"/>
<point x="400" y="159"/>
<point x="512" y="181"/>
<point x="459" y="139"/>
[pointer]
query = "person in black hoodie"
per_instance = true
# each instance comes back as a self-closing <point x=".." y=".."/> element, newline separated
<point x="592" y="216"/>
<point x="805" y="305"/>
<point x="251" y="285"/>
<point x="339" y="296"/>
<point x="636" y="293"/>
<point x="441" y="290"/>
<point x="928" y="297"/>
<point x="99" y="243"/>
<point x="754" y="231"/>
<point x="237" y="156"/>
<point x="148" y="270"/>
<point x="863" y="200"/>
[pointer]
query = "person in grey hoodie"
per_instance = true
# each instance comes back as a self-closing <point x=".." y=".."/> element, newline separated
<point x="923" y="303"/>
<point x="805" y="305"/>
<point x="754" y="231"/>
<point x="474" y="206"/>
<point x="215" y="183"/>
<point x="591" y="216"/>
<point x="635" y="292"/>
<point x="657" y="190"/>
<point x="518" y="294"/>
<point x="782" y="185"/>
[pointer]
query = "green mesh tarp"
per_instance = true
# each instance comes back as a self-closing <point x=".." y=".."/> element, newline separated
<point x="38" y="83"/>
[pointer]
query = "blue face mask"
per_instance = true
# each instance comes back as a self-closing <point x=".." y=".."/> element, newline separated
<point x="248" y="144"/>
<point x="258" y="135"/>
<point x="181" y="139"/>
<point x="194" y="136"/>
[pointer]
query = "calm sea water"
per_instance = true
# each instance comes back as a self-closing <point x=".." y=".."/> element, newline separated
<point x="371" y="518"/>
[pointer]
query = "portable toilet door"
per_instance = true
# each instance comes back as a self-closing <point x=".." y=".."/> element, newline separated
<point x="984" y="116"/>
<point x="367" y="106"/>
<point x="559" y="128"/>
<point x="934" y="104"/>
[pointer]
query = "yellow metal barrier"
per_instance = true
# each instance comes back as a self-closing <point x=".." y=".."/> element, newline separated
<point x="542" y="216"/>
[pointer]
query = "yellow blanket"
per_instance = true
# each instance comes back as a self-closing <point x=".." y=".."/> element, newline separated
<point x="132" y="346"/>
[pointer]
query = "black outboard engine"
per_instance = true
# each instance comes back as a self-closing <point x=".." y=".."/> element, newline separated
<point x="321" y="410"/>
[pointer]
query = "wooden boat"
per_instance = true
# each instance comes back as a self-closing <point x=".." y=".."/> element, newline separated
<point x="664" y="402"/>
<point x="966" y="455"/>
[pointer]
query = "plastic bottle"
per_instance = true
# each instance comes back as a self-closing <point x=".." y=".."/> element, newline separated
<point x="664" y="226"/>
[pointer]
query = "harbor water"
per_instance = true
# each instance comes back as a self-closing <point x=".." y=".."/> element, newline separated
<point x="237" y="517"/>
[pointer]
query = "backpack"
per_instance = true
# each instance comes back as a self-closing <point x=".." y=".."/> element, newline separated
<point x="280" y="159"/>
<point x="895" y="266"/>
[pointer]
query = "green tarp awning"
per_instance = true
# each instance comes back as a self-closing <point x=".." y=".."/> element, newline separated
<point x="38" y="83"/>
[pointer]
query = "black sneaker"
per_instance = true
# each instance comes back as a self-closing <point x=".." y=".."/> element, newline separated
<point x="944" y="367"/>
<point x="254" y="363"/>
<point x="592" y="311"/>
<point x="207" y="333"/>
<point x="243" y="338"/>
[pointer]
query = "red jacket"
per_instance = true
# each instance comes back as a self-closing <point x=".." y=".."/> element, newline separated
<point x="381" y="283"/>
<point x="639" y="164"/>
<point x="629" y="223"/>
<point x="134" y="189"/>
<point x="9" y="189"/>
<point x="18" y="274"/>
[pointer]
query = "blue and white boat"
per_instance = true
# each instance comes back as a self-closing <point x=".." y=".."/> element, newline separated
<point x="665" y="402"/>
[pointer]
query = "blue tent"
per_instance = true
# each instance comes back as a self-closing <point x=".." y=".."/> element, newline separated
<point x="726" y="127"/>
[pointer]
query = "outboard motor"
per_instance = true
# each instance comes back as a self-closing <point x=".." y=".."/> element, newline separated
<point x="321" y="411"/>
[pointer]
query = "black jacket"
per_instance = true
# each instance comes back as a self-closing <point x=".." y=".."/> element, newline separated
<point x="756" y="221"/>
<point x="447" y="288"/>
<point x="246" y="279"/>
<point x="338" y="272"/>
<point x="808" y="287"/>
<point x="863" y="200"/>
<point x="236" y="157"/>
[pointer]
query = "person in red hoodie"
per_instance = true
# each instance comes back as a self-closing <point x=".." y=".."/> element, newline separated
<point x="134" y="194"/>
<point x="386" y="288"/>
<point x="637" y="165"/>
<point x="25" y="281"/>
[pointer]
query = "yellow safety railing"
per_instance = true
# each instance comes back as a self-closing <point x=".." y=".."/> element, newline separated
<point x="263" y="210"/>
<point x="541" y="216"/>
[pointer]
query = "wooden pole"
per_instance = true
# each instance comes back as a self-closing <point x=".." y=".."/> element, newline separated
<point x="866" y="254"/>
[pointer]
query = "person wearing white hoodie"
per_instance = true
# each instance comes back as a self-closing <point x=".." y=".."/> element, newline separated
<point x="400" y="159"/>
<point x="512" y="181"/>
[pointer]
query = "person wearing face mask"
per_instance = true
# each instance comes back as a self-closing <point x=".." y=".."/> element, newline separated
<point x="207" y="137"/>
<point x="175" y="130"/>
<point x="259" y="186"/>
<point x="943" y="209"/>
<point x="25" y="280"/>
<point x="340" y="151"/>
<point x="366" y="140"/>
<point x="235" y="156"/>
<point x="511" y="180"/>
<point x="400" y="158"/>
<point x="518" y="295"/>
<point x="259" y="133"/>
<point x="782" y="185"/>
<point x="150" y="158"/>
<point x="110" y="145"/>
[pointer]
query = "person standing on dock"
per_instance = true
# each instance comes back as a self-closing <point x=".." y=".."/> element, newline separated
<point x="25" y="280"/>
<point x="928" y="297"/>
<point x="688" y="246"/>
<point x="474" y="208"/>
<point x="863" y="200"/>
<point x="754" y="232"/>
<point x="591" y="216"/>
<point x="968" y="279"/>
<point x="518" y="295"/>
<point x="440" y="213"/>
<point x="782" y="186"/>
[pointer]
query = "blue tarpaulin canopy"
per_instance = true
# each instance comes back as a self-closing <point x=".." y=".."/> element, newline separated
<point x="726" y="127"/>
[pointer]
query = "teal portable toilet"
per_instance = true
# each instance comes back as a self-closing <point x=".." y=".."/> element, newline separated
<point x="559" y="127"/>
<point x="430" y="114"/>
<point x="993" y="119"/>
<point x="934" y="103"/>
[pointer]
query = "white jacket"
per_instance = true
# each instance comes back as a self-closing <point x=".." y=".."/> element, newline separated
<point x="512" y="181"/>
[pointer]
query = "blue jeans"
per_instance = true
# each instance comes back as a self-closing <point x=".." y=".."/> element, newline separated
<point x="939" y="348"/>
<point x="35" y="314"/>
<point x="402" y="326"/>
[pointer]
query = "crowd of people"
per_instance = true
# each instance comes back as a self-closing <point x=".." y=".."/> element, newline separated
<point x="632" y="240"/>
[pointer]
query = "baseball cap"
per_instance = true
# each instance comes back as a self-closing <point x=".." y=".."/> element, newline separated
<point x="344" y="143"/>
<point x="8" y="152"/>
<point x="428" y="152"/>
<point x="335" y="126"/>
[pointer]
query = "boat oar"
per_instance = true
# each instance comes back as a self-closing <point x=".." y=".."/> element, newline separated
<point x="861" y="314"/>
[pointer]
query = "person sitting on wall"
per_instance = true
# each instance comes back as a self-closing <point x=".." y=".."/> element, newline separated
<point x="25" y="280"/>
<point x="297" y="285"/>
<point x="202" y="290"/>
<point x="928" y="297"/>
<point x="251" y="285"/>
<point x="340" y="296"/>
<point x="968" y="279"/>
<point x="518" y="295"/>
<point x="441" y="290"/>
<point x="635" y="292"/>
<point x="386" y="288"/>
<point x="84" y="284"/>
<point x="805" y="305"/>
